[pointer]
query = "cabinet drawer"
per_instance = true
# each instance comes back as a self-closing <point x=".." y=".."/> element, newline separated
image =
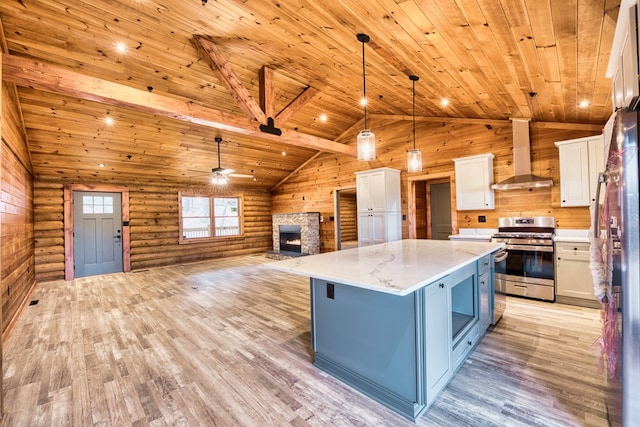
<point x="484" y="264"/>
<point x="573" y="251"/>
<point x="465" y="345"/>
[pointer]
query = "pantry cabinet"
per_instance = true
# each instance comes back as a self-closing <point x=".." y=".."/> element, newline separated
<point x="474" y="176"/>
<point x="378" y="206"/>
<point x="581" y="160"/>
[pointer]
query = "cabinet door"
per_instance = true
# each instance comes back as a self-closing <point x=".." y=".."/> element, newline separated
<point x="379" y="228"/>
<point x="573" y="274"/>
<point x="378" y="190"/>
<point x="629" y="59"/>
<point x="485" y="300"/>
<point x="574" y="173"/>
<point x="365" y="229"/>
<point x="438" y="337"/>
<point x="474" y="176"/>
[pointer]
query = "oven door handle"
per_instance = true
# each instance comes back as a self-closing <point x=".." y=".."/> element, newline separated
<point x="500" y="256"/>
<point x="530" y="248"/>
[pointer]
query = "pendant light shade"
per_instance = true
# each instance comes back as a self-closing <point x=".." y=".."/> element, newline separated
<point x="414" y="156"/>
<point x="366" y="139"/>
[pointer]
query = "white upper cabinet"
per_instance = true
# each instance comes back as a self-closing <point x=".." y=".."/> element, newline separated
<point x="474" y="176"/>
<point x="623" y="63"/>
<point x="581" y="160"/>
<point x="378" y="190"/>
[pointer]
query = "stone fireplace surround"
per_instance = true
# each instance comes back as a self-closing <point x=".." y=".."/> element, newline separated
<point x="309" y="223"/>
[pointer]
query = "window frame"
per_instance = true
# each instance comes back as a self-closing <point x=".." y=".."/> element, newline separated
<point x="212" y="218"/>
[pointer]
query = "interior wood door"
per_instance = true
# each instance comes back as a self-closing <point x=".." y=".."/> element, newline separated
<point x="97" y="237"/>
<point x="440" y="211"/>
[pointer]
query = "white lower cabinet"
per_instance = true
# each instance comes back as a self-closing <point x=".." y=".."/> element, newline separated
<point x="379" y="227"/>
<point x="574" y="283"/>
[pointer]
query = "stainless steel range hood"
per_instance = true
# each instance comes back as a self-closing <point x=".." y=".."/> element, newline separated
<point x="522" y="161"/>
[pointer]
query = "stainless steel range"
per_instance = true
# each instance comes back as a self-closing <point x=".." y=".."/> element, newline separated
<point x="529" y="269"/>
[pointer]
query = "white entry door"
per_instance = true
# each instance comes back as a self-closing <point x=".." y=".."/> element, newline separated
<point x="97" y="233"/>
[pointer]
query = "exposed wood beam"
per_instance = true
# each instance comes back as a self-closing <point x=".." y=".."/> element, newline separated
<point x="267" y="91"/>
<point x="40" y="76"/>
<point x="230" y="79"/>
<point x="295" y="105"/>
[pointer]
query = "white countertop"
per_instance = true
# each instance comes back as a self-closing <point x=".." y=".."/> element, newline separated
<point x="398" y="267"/>
<point x="473" y="234"/>
<point x="571" y="235"/>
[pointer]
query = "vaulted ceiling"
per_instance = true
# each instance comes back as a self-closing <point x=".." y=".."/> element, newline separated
<point x="194" y="71"/>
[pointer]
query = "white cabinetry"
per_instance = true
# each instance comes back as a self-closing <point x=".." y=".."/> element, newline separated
<point x="623" y="63"/>
<point x="581" y="160"/>
<point x="379" y="206"/>
<point x="574" y="284"/>
<point x="474" y="176"/>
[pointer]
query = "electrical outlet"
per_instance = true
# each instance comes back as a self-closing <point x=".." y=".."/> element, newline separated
<point x="482" y="218"/>
<point x="331" y="291"/>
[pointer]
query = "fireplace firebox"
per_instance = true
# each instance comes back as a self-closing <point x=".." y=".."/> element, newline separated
<point x="290" y="239"/>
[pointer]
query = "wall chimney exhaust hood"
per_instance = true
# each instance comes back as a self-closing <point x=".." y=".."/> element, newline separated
<point x="522" y="161"/>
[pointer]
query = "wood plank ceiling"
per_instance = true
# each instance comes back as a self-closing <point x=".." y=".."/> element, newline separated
<point x="193" y="71"/>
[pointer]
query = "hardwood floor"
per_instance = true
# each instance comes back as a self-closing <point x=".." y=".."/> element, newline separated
<point x="227" y="343"/>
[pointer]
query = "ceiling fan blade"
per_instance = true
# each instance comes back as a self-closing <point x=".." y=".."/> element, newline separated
<point x="222" y="171"/>
<point x="240" y="175"/>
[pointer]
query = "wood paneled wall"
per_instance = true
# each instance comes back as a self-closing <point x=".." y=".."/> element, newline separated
<point x="16" y="213"/>
<point x="311" y="188"/>
<point x="153" y="228"/>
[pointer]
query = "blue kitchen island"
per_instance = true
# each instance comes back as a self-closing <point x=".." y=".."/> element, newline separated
<point x="397" y="320"/>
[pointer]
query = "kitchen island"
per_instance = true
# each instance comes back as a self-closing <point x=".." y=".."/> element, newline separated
<point x="396" y="320"/>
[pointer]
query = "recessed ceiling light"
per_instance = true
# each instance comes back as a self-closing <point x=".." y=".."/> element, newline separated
<point x="323" y="117"/>
<point x="121" y="47"/>
<point x="363" y="102"/>
<point x="108" y="120"/>
<point x="444" y="102"/>
<point x="284" y="153"/>
<point x="100" y="165"/>
<point x="583" y="104"/>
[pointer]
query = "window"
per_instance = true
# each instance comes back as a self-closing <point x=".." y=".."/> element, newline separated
<point x="206" y="217"/>
<point x="97" y="204"/>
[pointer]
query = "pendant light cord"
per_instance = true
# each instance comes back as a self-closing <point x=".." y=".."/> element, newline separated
<point x="218" y="140"/>
<point x="414" y="79"/>
<point x="364" y="88"/>
<point x="414" y="114"/>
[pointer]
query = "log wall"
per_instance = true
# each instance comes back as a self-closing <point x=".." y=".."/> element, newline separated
<point x="16" y="213"/>
<point x="348" y="217"/>
<point x="153" y="228"/>
<point x="311" y="188"/>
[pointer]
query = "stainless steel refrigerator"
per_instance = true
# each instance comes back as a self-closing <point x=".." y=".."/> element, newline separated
<point x="615" y="267"/>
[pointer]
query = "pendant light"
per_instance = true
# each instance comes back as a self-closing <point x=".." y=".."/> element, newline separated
<point x="366" y="138"/>
<point x="414" y="157"/>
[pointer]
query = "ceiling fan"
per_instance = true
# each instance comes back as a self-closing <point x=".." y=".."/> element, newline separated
<point x="220" y="175"/>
